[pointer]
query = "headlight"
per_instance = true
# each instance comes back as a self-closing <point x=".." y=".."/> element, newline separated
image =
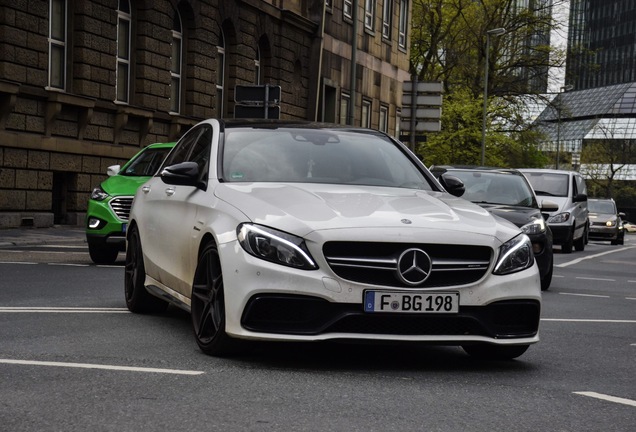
<point x="559" y="218"/>
<point x="610" y="223"/>
<point x="514" y="255"/>
<point x="275" y="246"/>
<point x="537" y="226"/>
<point x="98" y="194"/>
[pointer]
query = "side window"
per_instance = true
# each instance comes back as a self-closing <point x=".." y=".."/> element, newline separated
<point x="201" y="150"/>
<point x="181" y="151"/>
<point x="580" y="185"/>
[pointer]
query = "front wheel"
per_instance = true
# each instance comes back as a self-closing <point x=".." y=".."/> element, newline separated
<point x="495" y="352"/>
<point x="208" y="305"/>
<point x="101" y="253"/>
<point x="579" y="244"/>
<point x="547" y="279"/>
<point x="138" y="299"/>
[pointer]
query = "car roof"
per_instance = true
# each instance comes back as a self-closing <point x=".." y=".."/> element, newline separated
<point x="304" y="124"/>
<point x="547" y="170"/>
<point x="474" y="168"/>
<point x="161" y="145"/>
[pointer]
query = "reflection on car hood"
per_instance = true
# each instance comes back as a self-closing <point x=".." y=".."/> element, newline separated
<point x="517" y="215"/>
<point x="123" y="185"/>
<point x="303" y="208"/>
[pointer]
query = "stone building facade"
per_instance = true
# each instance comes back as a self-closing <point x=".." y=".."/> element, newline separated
<point x="84" y="84"/>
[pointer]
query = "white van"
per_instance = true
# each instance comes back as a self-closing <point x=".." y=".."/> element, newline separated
<point x="569" y="223"/>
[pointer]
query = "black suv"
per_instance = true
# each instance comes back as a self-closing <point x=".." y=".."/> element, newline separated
<point x="506" y="193"/>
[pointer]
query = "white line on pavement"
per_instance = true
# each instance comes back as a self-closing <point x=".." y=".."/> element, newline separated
<point x="595" y="279"/>
<point x="578" y="260"/>
<point x="608" y="398"/>
<point x="584" y="295"/>
<point x="98" y="366"/>
<point x="589" y="320"/>
<point x="11" y="262"/>
<point x="27" y="309"/>
<point x="68" y="264"/>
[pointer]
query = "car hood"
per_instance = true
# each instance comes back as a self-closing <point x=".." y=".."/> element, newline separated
<point x="304" y="208"/>
<point x="517" y="215"/>
<point x="123" y="185"/>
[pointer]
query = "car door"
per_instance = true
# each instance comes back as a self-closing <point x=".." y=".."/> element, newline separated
<point x="169" y="213"/>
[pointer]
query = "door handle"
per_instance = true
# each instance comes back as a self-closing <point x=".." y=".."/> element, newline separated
<point x="145" y="189"/>
<point x="169" y="191"/>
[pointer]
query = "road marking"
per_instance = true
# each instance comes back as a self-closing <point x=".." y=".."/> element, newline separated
<point x="98" y="366"/>
<point x="584" y="295"/>
<point x="630" y="281"/>
<point x="68" y="264"/>
<point x="608" y="398"/>
<point x="596" y="279"/>
<point x="109" y="266"/>
<point x="27" y="309"/>
<point x="578" y="260"/>
<point x="589" y="320"/>
<point x="11" y="262"/>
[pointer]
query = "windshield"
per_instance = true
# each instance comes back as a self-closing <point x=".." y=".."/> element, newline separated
<point x="146" y="164"/>
<point x="317" y="156"/>
<point x="549" y="184"/>
<point x="496" y="188"/>
<point x="603" y="207"/>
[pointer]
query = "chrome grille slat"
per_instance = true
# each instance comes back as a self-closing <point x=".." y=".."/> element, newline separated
<point x="121" y="207"/>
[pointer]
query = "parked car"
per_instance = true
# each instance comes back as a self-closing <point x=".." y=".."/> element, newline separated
<point x="296" y="231"/>
<point x="569" y="223"/>
<point x="109" y="203"/>
<point x="506" y="193"/>
<point x="629" y="227"/>
<point x="605" y="221"/>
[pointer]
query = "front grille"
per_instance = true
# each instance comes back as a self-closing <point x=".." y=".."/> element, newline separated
<point x="377" y="263"/>
<point x="121" y="207"/>
<point x="305" y="315"/>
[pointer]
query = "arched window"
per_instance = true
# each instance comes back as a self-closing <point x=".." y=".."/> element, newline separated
<point x="220" y="73"/>
<point x="176" y="63"/>
<point x="57" y="44"/>
<point x="122" y="85"/>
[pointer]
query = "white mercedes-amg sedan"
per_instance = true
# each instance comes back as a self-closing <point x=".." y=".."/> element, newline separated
<point x="297" y="231"/>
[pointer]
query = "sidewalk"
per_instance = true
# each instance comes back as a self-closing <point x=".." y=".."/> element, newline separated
<point x="57" y="234"/>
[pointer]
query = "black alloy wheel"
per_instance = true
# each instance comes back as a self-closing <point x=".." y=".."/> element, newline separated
<point x="138" y="299"/>
<point x="208" y="305"/>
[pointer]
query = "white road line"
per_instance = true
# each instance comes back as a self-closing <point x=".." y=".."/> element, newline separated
<point x="68" y="264"/>
<point x="608" y="398"/>
<point x="557" y="276"/>
<point x="27" y="309"/>
<point x="589" y="320"/>
<point x="578" y="260"/>
<point x="11" y="262"/>
<point x="98" y="366"/>
<point x="584" y="295"/>
<point x="596" y="279"/>
<point x="631" y="281"/>
<point x="110" y="266"/>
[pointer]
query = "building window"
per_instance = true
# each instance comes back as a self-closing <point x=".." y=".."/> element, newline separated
<point x="402" y="23"/>
<point x="122" y="83"/>
<point x="387" y="14"/>
<point x="365" y="120"/>
<point x="384" y="119"/>
<point x="369" y="14"/>
<point x="347" y="8"/>
<point x="176" y="63"/>
<point x="57" y="44"/>
<point x="220" y="73"/>
<point x="257" y="67"/>
<point x="345" y="100"/>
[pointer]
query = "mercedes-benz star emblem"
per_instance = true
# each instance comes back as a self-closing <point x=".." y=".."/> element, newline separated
<point x="414" y="266"/>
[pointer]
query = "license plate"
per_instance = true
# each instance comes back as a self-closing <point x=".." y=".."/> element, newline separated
<point x="123" y="227"/>
<point x="385" y="301"/>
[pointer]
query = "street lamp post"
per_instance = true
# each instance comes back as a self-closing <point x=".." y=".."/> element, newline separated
<point x="559" y="107"/>
<point x="493" y="32"/>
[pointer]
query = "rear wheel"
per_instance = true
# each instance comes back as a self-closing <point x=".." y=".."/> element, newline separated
<point x="208" y="305"/>
<point x="495" y="352"/>
<point x="138" y="299"/>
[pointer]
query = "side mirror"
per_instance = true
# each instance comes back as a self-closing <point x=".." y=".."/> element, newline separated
<point x="621" y="215"/>
<point x="452" y="184"/>
<point x="113" y="170"/>
<point x="580" y="198"/>
<point x="182" y="174"/>
<point x="548" y="206"/>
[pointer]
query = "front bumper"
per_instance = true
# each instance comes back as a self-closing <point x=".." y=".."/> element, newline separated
<point x="110" y="230"/>
<point x="600" y="232"/>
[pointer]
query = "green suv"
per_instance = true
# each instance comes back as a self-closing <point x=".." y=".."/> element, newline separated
<point x="110" y="202"/>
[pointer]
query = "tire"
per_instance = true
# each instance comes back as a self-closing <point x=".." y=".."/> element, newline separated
<point x="101" y="253"/>
<point x="495" y="352"/>
<point x="579" y="244"/>
<point x="208" y="306"/>
<point x="566" y="247"/>
<point x="547" y="279"/>
<point x="138" y="299"/>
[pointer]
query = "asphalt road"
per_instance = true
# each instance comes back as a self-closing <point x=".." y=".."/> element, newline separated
<point x="73" y="359"/>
